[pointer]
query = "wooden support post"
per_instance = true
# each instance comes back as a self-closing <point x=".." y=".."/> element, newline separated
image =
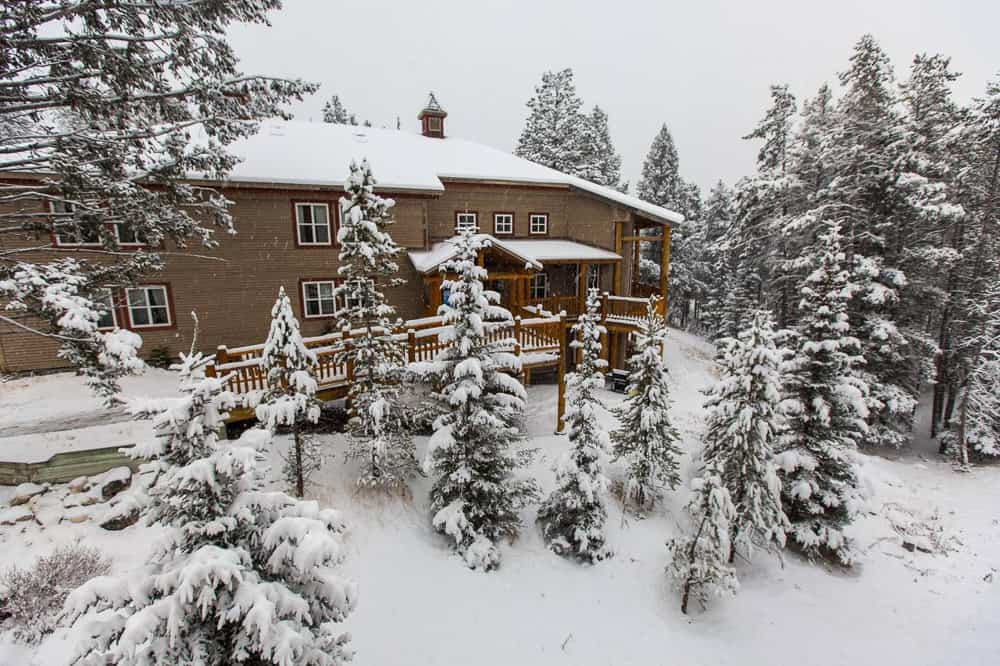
<point x="561" y="408"/>
<point x="617" y="280"/>
<point x="581" y="286"/>
<point x="411" y="345"/>
<point x="665" y="267"/>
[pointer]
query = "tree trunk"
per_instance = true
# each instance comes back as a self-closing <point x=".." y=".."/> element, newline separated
<point x="949" y="407"/>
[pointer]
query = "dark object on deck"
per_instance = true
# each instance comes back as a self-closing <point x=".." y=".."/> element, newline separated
<point x="618" y="380"/>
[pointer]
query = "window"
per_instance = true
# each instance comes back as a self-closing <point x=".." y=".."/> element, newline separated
<point x="317" y="298"/>
<point x="539" y="287"/>
<point x="108" y="319"/>
<point x="312" y="222"/>
<point x="148" y="306"/>
<point x="503" y="223"/>
<point x="538" y="223"/>
<point x="433" y="123"/>
<point x="125" y="234"/>
<point x="465" y="221"/>
<point x="70" y="231"/>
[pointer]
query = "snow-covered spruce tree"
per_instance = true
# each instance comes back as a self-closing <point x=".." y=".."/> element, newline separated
<point x="553" y="132"/>
<point x="290" y="397"/>
<point x="599" y="163"/>
<point x="245" y="576"/>
<point x="742" y="424"/>
<point x="334" y="111"/>
<point x="572" y="517"/>
<point x="475" y="498"/>
<point x="824" y="409"/>
<point x="645" y="438"/>
<point x="699" y="563"/>
<point x="115" y="137"/>
<point x="377" y="427"/>
<point x="978" y="426"/>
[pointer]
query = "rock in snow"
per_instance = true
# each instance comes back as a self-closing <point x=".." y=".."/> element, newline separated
<point x="15" y="514"/>
<point x="25" y="492"/>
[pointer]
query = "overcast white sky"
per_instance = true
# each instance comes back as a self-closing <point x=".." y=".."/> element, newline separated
<point x="703" y="67"/>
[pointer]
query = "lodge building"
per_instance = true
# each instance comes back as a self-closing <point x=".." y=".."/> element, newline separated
<point x="551" y="236"/>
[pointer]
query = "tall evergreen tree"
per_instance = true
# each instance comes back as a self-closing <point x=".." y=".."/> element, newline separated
<point x="824" y="409"/>
<point x="245" y="576"/>
<point x="552" y="134"/>
<point x="599" y="162"/>
<point x="699" y="562"/>
<point x="110" y="118"/>
<point x="475" y="499"/>
<point x="645" y="437"/>
<point x="573" y="516"/>
<point x="378" y="433"/>
<point x="661" y="182"/>
<point x="742" y="424"/>
<point x="712" y="264"/>
<point x="290" y="398"/>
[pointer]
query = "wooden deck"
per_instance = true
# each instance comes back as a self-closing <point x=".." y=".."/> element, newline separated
<point x="539" y="340"/>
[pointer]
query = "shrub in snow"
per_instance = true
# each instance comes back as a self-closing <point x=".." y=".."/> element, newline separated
<point x="290" y="398"/>
<point x="742" y="424"/>
<point x="475" y="498"/>
<point x="824" y="410"/>
<point x="32" y="599"/>
<point x="379" y="438"/>
<point x="102" y="131"/>
<point x="245" y="576"/>
<point x="699" y="563"/>
<point x="645" y="437"/>
<point x="572" y="517"/>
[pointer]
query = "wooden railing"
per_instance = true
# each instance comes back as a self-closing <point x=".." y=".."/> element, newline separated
<point x="625" y="309"/>
<point x="536" y="340"/>
<point x="553" y="305"/>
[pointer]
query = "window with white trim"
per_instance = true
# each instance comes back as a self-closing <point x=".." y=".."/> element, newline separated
<point x="312" y="223"/>
<point x="465" y="221"/>
<point x="108" y="318"/>
<point x="503" y="223"/>
<point x="538" y="223"/>
<point x="70" y="232"/>
<point x="434" y="124"/>
<point x="148" y="306"/>
<point x="539" y="286"/>
<point x="318" y="298"/>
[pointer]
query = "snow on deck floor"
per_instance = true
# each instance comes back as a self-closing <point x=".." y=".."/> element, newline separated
<point x="420" y="606"/>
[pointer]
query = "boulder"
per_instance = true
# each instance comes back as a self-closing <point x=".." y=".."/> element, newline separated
<point x="122" y="515"/>
<point x="25" y="492"/>
<point x="79" y="484"/>
<point x="77" y="514"/>
<point x="113" y="481"/>
<point x="15" y="514"/>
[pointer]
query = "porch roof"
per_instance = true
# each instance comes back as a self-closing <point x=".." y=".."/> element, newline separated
<point x="533" y="252"/>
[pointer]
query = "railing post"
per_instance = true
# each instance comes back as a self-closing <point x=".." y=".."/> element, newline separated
<point x="222" y="354"/>
<point x="411" y="345"/>
<point x="604" y="308"/>
<point x="561" y="409"/>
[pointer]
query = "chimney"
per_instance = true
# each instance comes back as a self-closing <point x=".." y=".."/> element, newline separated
<point x="431" y="118"/>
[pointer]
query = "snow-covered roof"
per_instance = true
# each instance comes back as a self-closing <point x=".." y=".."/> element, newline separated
<point x="532" y="252"/>
<point x="319" y="154"/>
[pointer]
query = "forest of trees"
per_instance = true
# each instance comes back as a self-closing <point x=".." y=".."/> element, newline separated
<point x="911" y="178"/>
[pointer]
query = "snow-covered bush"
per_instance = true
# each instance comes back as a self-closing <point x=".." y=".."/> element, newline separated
<point x="31" y="599"/>
<point x="572" y="517"/>
<point x="742" y="425"/>
<point x="645" y="437"/>
<point x="245" y="575"/>
<point x="824" y="410"/>
<point x="379" y="437"/>
<point x="475" y="498"/>
<point x="699" y="563"/>
<point x="290" y="399"/>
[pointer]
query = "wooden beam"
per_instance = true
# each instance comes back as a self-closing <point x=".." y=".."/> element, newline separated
<point x="665" y="267"/>
<point x="635" y="239"/>
<point x="617" y="280"/>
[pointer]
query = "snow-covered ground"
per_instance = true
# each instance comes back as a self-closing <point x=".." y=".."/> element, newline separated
<point x="420" y="605"/>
